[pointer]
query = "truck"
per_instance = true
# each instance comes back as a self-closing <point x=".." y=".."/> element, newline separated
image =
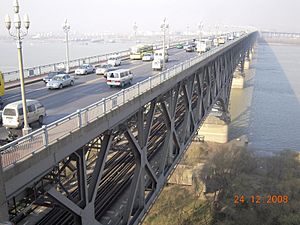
<point x="204" y="45"/>
<point x="158" y="54"/>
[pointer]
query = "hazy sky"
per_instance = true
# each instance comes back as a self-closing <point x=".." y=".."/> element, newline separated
<point x="120" y="15"/>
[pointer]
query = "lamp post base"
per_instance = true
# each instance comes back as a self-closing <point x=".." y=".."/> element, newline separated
<point x="26" y="130"/>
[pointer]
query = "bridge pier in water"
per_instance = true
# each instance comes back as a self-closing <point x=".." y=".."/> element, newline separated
<point x="215" y="128"/>
<point x="238" y="81"/>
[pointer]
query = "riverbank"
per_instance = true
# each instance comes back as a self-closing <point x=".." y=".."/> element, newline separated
<point x="234" y="186"/>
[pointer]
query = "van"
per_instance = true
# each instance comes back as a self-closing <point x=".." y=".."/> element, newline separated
<point x="114" y="60"/>
<point x="157" y="64"/>
<point x="119" y="77"/>
<point x="158" y="54"/>
<point x="12" y="116"/>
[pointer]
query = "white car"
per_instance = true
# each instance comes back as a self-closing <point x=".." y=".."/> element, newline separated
<point x="148" y="57"/>
<point x="114" y="61"/>
<point x="85" y="69"/>
<point x="104" y="68"/>
<point x="59" y="81"/>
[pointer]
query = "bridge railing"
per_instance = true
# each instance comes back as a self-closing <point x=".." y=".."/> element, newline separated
<point x="40" y="70"/>
<point x="40" y="139"/>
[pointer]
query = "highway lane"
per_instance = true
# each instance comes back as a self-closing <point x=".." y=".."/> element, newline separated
<point x="87" y="89"/>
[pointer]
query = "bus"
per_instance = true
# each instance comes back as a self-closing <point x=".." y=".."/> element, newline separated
<point x="2" y="89"/>
<point x="138" y="51"/>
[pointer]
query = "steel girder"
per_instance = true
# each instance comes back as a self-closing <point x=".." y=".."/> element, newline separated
<point x="135" y="158"/>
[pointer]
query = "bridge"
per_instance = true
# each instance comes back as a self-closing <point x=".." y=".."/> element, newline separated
<point x="279" y="37"/>
<point x="107" y="162"/>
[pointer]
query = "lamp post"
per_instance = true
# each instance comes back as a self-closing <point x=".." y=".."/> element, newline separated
<point x="200" y="27"/>
<point x="164" y="26"/>
<point x="187" y="31"/>
<point x="18" y="34"/>
<point x="169" y="39"/>
<point x="135" y="27"/>
<point x="217" y="29"/>
<point x="66" y="28"/>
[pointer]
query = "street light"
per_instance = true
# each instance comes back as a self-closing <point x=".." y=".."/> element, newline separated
<point x="187" y="31"/>
<point x="135" y="27"/>
<point x="18" y="35"/>
<point x="169" y="39"/>
<point x="66" y="28"/>
<point x="164" y="26"/>
<point x="200" y="27"/>
<point x="217" y="29"/>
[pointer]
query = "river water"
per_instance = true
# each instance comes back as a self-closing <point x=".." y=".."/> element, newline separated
<point x="37" y="53"/>
<point x="267" y="111"/>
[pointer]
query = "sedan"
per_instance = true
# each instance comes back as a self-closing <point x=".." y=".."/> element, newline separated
<point x="179" y="46"/>
<point x="50" y="75"/>
<point x="60" y="81"/>
<point x="190" y="48"/>
<point x="104" y="68"/>
<point x="148" y="57"/>
<point x="85" y="69"/>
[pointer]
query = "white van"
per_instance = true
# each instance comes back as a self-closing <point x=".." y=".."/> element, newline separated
<point x="12" y="116"/>
<point x="114" y="60"/>
<point x="157" y="64"/>
<point x="158" y="54"/>
<point x="119" y="77"/>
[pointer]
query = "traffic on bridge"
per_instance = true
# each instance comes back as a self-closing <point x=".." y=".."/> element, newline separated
<point x="94" y="140"/>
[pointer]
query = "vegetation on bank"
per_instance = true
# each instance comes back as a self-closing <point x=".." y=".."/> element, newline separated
<point x="241" y="189"/>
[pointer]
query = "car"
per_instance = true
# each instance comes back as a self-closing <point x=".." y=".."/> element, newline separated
<point x="190" y="48"/>
<point x="119" y="78"/>
<point x="148" y="57"/>
<point x="179" y="46"/>
<point x="61" y="80"/>
<point x="12" y="116"/>
<point x="50" y="75"/>
<point x="104" y="68"/>
<point x="188" y="44"/>
<point x="114" y="60"/>
<point x="85" y="69"/>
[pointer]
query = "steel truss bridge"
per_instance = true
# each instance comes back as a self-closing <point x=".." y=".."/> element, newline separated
<point x="111" y="169"/>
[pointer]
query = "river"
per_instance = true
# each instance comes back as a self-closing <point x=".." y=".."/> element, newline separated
<point x="37" y="52"/>
<point x="267" y="111"/>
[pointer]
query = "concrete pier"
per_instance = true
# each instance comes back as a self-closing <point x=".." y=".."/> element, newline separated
<point x="246" y="64"/>
<point x="238" y="82"/>
<point x="214" y="129"/>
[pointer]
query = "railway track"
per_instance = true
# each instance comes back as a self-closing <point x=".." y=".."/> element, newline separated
<point x="118" y="172"/>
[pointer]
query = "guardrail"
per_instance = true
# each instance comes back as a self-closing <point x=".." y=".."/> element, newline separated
<point x="41" y="70"/>
<point x="40" y="139"/>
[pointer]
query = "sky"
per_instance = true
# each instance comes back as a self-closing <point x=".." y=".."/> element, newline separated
<point x="119" y="15"/>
